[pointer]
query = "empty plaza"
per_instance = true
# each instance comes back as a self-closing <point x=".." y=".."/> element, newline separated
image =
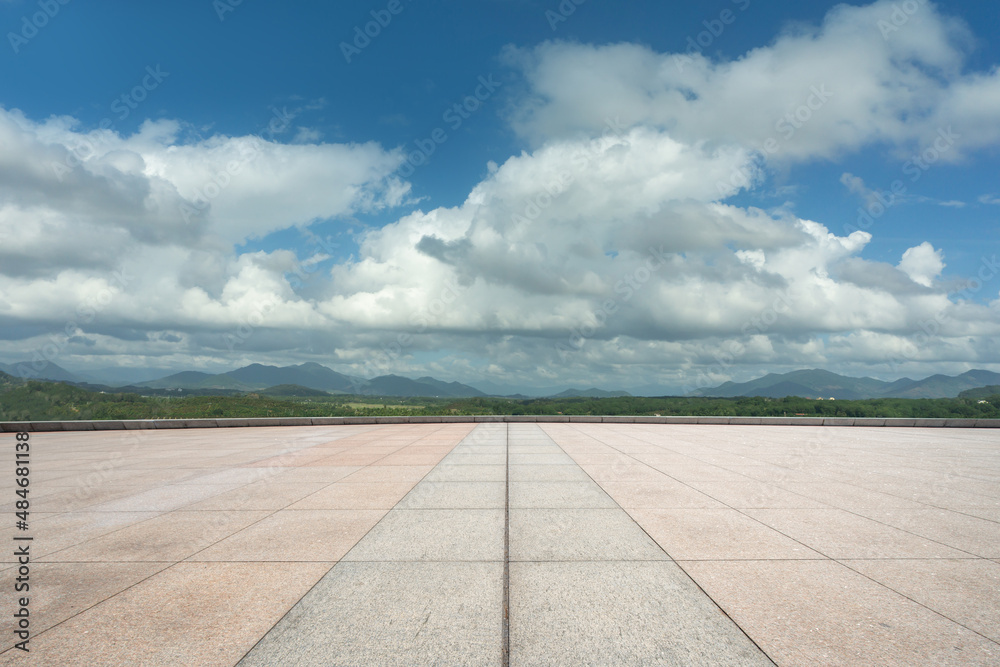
<point x="510" y="543"/>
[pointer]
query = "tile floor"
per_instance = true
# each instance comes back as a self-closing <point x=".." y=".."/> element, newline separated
<point x="602" y="544"/>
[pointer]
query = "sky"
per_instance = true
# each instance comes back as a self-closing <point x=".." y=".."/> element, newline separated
<point x="513" y="194"/>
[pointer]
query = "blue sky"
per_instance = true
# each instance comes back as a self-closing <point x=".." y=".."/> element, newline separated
<point x="324" y="245"/>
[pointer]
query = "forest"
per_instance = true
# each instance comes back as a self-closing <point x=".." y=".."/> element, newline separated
<point x="22" y="400"/>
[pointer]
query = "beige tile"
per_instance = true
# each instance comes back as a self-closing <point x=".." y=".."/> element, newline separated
<point x="434" y="535"/>
<point x="455" y="495"/>
<point x="556" y="495"/>
<point x="578" y="535"/>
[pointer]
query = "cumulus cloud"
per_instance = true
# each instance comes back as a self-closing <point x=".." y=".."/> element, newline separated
<point x="814" y="92"/>
<point x="609" y="250"/>
<point x="922" y="264"/>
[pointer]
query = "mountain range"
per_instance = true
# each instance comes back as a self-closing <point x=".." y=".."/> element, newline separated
<point x="816" y="383"/>
<point x="813" y="383"/>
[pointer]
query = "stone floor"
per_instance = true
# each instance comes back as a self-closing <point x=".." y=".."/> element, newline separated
<point x="523" y="544"/>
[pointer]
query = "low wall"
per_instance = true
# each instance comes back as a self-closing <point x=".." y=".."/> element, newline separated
<point x="133" y="424"/>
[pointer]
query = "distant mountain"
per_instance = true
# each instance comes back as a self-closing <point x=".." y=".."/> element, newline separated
<point x="783" y="389"/>
<point x="292" y="390"/>
<point x="256" y="377"/>
<point x="945" y="386"/>
<point x="451" y="388"/>
<point x="394" y="385"/>
<point x="590" y="393"/>
<point x="812" y="383"/>
<point x="519" y="391"/>
<point x="816" y="383"/>
<point x="656" y="390"/>
<point x="981" y="392"/>
<point x="311" y="376"/>
<point x="182" y="380"/>
<point x="118" y="377"/>
<point x="29" y="370"/>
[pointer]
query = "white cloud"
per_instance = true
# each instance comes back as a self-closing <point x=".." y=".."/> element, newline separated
<point x="922" y="264"/>
<point x="814" y="92"/>
<point x="602" y="254"/>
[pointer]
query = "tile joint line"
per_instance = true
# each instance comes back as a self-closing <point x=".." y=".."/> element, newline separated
<point x="505" y="648"/>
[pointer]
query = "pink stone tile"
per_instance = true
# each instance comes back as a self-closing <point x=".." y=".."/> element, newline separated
<point x="716" y="534"/>
<point x="313" y="474"/>
<point x="364" y="457"/>
<point x="848" y="496"/>
<point x="753" y="493"/>
<point x="346" y="496"/>
<point x="699" y="472"/>
<point x="839" y="534"/>
<point x="623" y="473"/>
<point x="389" y="474"/>
<point x="168" y="537"/>
<point x="961" y="531"/>
<point x="966" y="591"/>
<point x="62" y="590"/>
<point x="664" y="493"/>
<point x="296" y="535"/>
<point x="191" y="614"/>
<point x="263" y="495"/>
<point x="54" y="532"/>
<point x="818" y="612"/>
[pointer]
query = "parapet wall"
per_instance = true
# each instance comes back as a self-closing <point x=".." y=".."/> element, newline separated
<point x="134" y="424"/>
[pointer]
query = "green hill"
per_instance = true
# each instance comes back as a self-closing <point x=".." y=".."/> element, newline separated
<point x="981" y="392"/>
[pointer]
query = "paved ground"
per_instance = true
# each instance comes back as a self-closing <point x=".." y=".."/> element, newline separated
<point x="533" y="544"/>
